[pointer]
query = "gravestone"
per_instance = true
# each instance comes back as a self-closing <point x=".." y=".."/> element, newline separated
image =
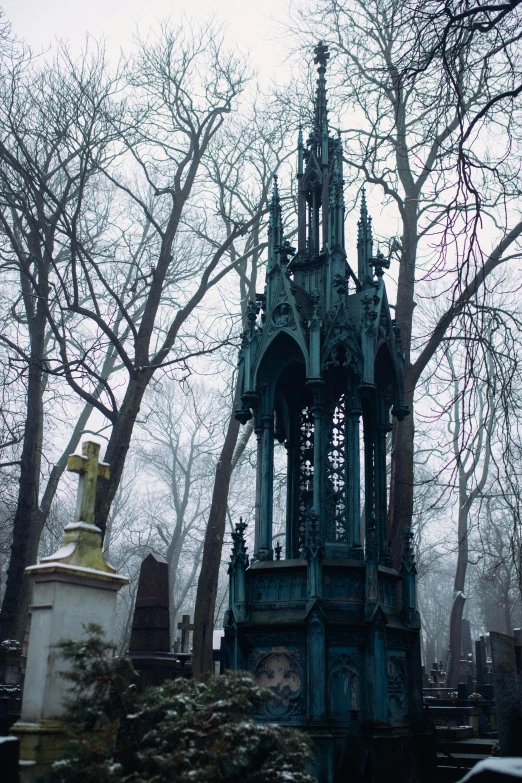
<point x="517" y="633"/>
<point x="150" y="645"/>
<point x="480" y="658"/>
<point x="466" y="643"/>
<point x="185" y="626"/>
<point x="73" y="587"/>
<point x="10" y="684"/>
<point x="151" y="622"/>
<point x="507" y="695"/>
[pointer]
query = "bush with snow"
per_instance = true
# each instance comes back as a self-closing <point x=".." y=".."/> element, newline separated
<point x="185" y="731"/>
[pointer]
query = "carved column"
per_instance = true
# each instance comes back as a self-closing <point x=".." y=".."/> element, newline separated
<point x="267" y="488"/>
<point x="292" y="486"/>
<point x="316" y="666"/>
<point x="369" y="475"/>
<point x="353" y="479"/>
<point x="375" y="676"/>
<point x="381" y="509"/>
<point x="259" y="482"/>
<point x="319" y="414"/>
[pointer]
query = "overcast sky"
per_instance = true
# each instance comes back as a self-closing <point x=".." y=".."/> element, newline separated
<point x="249" y="22"/>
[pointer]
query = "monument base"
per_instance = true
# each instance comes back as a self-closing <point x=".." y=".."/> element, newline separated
<point x="155" y="668"/>
<point x="373" y="755"/>
<point x="41" y="743"/>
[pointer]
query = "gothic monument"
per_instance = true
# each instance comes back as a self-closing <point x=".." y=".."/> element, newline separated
<point x="325" y="621"/>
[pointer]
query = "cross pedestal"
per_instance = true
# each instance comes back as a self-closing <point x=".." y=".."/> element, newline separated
<point x="72" y="587"/>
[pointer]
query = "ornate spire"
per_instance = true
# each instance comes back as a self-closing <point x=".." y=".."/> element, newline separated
<point x="322" y="56"/>
<point x="239" y="549"/>
<point x="364" y="240"/>
<point x="300" y="152"/>
<point x="275" y="232"/>
<point x="363" y="219"/>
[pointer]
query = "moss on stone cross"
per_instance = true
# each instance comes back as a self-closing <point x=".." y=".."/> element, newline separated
<point x="89" y="469"/>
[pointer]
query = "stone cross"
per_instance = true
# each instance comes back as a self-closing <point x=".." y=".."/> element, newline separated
<point x="89" y="469"/>
<point x="185" y="627"/>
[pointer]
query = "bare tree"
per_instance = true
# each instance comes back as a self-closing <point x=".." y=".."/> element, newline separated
<point x="472" y="459"/>
<point x="52" y="139"/>
<point x="178" y="451"/>
<point x="103" y="227"/>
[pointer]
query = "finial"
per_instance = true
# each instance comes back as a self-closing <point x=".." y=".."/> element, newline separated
<point x="300" y="137"/>
<point x="362" y="224"/>
<point x="275" y="191"/>
<point x="286" y="251"/>
<point x="322" y="55"/>
<point x="321" y="111"/>
<point x="278" y="549"/>
<point x="379" y="263"/>
<point x="274" y="223"/>
<point x="364" y="209"/>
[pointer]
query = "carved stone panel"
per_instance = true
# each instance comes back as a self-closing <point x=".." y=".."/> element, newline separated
<point x="397" y="688"/>
<point x="270" y="589"/>
<point x="342" y="587"/>
<point x="344" y="686"/>
<point x="388" y="593"/>
<point x="283" y="315"/>
<point x="280" y="669"/>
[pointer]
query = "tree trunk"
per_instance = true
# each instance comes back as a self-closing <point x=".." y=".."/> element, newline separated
<point x="507" y="613"/>
<point x="11" y="624"/>
<point x="459" y="599"/>
<point x="209" y="574"/>
<point x="118" y="446"/>
<point x="455" y="640"/>
<point x="400" y="510"/>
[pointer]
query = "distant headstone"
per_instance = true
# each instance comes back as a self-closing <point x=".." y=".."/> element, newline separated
<point x="9" y="752"/>
<point x="505" y="681"/>
<point x="151" y="623"/>
<point x="185" y="626"/>
<point x="480" y="658"/>
<point x="466" y="643"/>
<point x="518" y="658"/>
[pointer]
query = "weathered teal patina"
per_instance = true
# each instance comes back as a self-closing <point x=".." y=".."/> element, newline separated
<point x="330" y="627"/>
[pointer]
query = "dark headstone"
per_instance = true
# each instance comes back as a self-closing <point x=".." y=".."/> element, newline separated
<point x="9" y="753"/>
<point x="486" y="691"/>
<point x="480" y="658"/>
<point x="151" y="623"/>
<point x="518" y="658"/>
<point x="462" y="689"/>
<point x="466" y="643"/>
<point x="505" y="681"/>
